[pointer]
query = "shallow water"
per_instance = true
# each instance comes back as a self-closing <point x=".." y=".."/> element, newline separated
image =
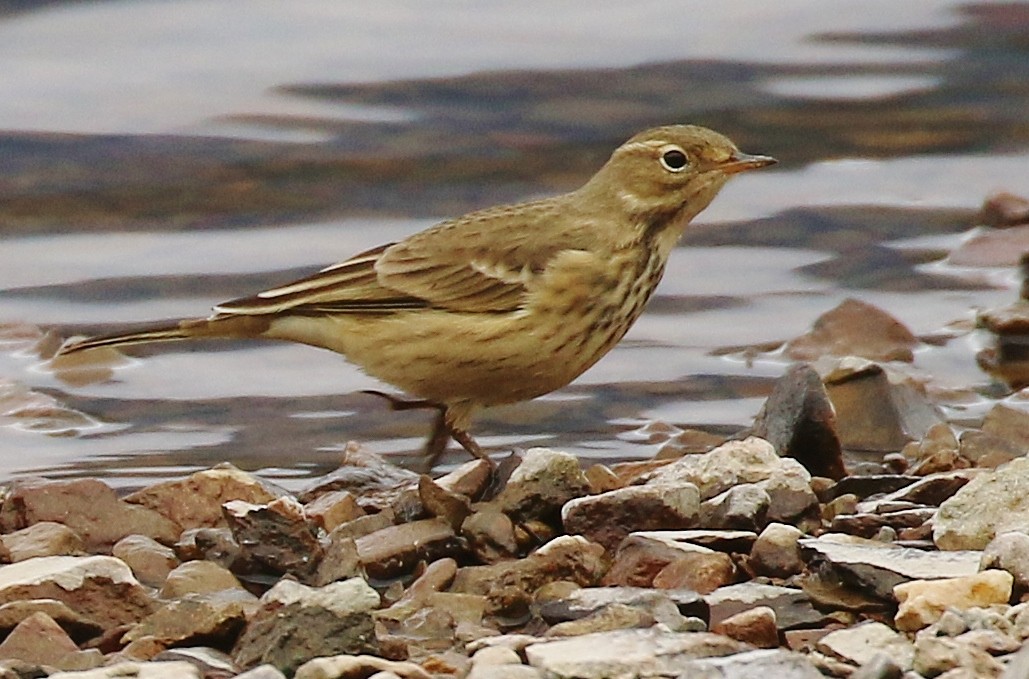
<point x="220" y="148"/>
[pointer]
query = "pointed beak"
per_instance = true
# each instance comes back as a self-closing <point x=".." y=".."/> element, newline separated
<point x="740" y="162"/>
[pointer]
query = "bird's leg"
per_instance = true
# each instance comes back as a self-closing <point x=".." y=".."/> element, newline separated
<point x="397" y="403"/>
<point x="469" y="444"/>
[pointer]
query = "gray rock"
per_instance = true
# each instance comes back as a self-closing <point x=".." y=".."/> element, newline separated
<point x="543" y="482"/>
<point x="777" y="663"/>
<point x="627" y="653"/>
<point x="609" y="517"/>
<point x="742" y="507"/>
<point x="991" y="503"/>
<point x="1009" y="552"/>
<point x="936" y="655"/>
<point x="881" y="666"/>
<point x="792" y="606"/>
<point x="588" y="600"/>
<point x="860" y="644"/>
<point x="879" y="567"/>
<point x="776" y="551"/>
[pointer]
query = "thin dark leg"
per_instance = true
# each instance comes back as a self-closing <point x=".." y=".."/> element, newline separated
<point x="469" y="444"/>
<point x="397" y="403"/>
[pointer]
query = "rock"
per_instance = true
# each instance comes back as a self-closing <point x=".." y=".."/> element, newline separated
<point x="986" y="450"/>
<point x="438" y="502"/>
<point x="701" y="571"/>
<point x="748" y="461"/>
<point x="642" y="556"/>
<point x="196" y="500"/>
<point x="340" y="560"/>
<point x="366" y="475"/>
<point x="45" y="538"/>
<point x="876" y="409"/>
<point x="87" y="506"/>
<point x="1004" y="355"/>
<point x="855" y="328"/>
<point x="215" y="617"/>
<point x="296" y="623"/>
<point x="101" y="588"/>
<point x="742" y="507"/>
<point x="871" y="525"/>
<point x="928" y="490"/>
<point x="756" y="627"/>
<point x="198" y="577"/>
<point x="791" y="498"/>
<point x="358" y="667"/>
<point x="211" y="662"/>
<point x="491" y="535"/>
<point x="78" y="626"/>
<point x="628" y="653"/>
<point x="865" y="486"/>
<point x="792" y="606"/>
<point x="1009" y="424"/>
<point x="608" y="618"/>
<point x="333" y="509"/>
<point x="262" y="672"/>
<point x="150" y="561"/>
<point x="991" y="503"/>
<point x="276" y="534"/>
<point x="879" y="568"/>
<point x="542" y="484"/>
<point x="799" y="421"/>
<point x="1003" y="209"/>
<point x="217" y="546"/>
<point x="609" y="517"/>
<point x="38" y="639"/>
<point x="394" y="551"/>
<point x="470" y="479"/>
<point x="1009" y="552"/>
<point x="776" y="551"/>
<point x="1001" y="247"/>
<point x="936" y="655"/>
<point x="860" y="644"/>
<point x="136" y="670"/>
<point x="922" y="602"/>
<point x="588" y="600"/>
<point x="881" y="666"/>
<point x="752" y="665"/>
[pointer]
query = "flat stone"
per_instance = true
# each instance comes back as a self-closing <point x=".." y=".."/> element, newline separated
<point x="262" y="672"/>
<point x="880" y="567"/>
<point x="276" y="534"/>
<point x="78" y="626"/>
<point x="792" y="606"/>
<point x="777" y="663"/>
<point x="699" y="571"/>
<point x="609" y="517"/>
<point x="627" y="653"/>
<point x="542" y="484"/>
<point x="102" y="588"/>
<point x="87" y="506"/>
<point x="394" y="551"/>
<point x="858" y="645"/>
<point x="936" y="655"/>
<point x="137" y="670"/>
<point x="799" y="421"/>
<point x="855" y="328"/>
<point x="643" y="555"/>
<point x="588" y="600"/>
<point x="1009" y="552"/>
<point x="196" y="500"/>
<point x="932" y="489"/>
<point x="728" y="541"/>
<point x="358" y="667"/>
<point x="365" y="474"/>
<point x="1002" y="209"/>
<point x="865" y="486"/>
<point x="45" y="538"/>
<point x="333" y="509"/>
<point x="198" y="577"/>
<point x="210" y="661"/>
<point x="491" y="535"/>
<point x="871" y="524"/>
<point x="991" y="503"/>
<point x="38" y="639"/>
<point x="1001" y="247"/>
<point x="1010" y="424"/>
<point x="209" y="618"/>
<point x="922" y="602"/>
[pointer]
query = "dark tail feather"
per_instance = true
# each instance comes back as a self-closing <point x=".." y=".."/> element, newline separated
<point x="226" y="327"/>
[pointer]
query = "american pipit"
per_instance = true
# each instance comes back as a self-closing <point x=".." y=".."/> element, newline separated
<point x="500" y="305"/>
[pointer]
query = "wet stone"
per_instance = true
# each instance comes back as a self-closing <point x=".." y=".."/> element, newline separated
<point x="799" y="421"/>
<point x="855" y="328"/>
<point x="491" y="535"/>
<point x="991" y="503"/>
<point x="543" y="482"/>
<point x="642" y="556"/>
<point x="394" y="551"/>
<point x="609" y="517"/>
<point x="444" y="504"/>
<point x="880" y="567"/>
<point x="363" y="473"/>
<point x="1003" y="209"/>
<point x="276" y="534"/>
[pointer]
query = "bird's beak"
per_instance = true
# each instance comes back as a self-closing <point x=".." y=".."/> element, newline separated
<point x="740" y="162"/>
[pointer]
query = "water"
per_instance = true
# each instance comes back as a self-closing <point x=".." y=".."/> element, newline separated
<point x="218" y="148"/>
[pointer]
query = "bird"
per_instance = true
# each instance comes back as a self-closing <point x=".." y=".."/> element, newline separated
<point x="500" y="305"/>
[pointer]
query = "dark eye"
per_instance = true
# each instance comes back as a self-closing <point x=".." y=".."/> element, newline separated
<point x="674" y="160"/>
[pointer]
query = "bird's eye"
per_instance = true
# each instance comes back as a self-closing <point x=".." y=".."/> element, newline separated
<point x="674" y="159"/>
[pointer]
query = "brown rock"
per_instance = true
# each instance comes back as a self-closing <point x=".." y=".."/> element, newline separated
<point x="756" y="627"/>
<point x="101" y="588"/>
<point x="609" y="517"/>
<point x="792" y="606"/>
<point x="1002" y="247"/>
<point x="395" y="550"/>
<point x="38" y="639"/>
<point x="471" y="479"/>
<point x="776" y="551"/>
<point x="79" y="627"/>
<point x="855" y="328"/>
<point x="150" y="561"/>
<point x="340" y="560"/>
<point x="333" y="509"/>
<point x="45" y="538"/>
<point x="1003" y="209"/>
<point x="986" y="450"/>
<point x="215" y="618"/>
<point x="799" y="421"/>
<point x="642" y="556"/>
<point x="218" y="546"/>
<point x="491" y="535"/>
<point x="87" y="506"/>
<point x="196" y="501"/>
<point x="441" y="503"/>
<point x="198" y="577"/>
<point x="1009" y="424"/>
<point x="611" y="617"/>
<point x="700" y="571"/>
<point x="742" y="507"/>
<point x="358" y="667"/>
<point x="276" y="534"/>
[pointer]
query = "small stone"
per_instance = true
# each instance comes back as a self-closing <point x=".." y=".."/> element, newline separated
<point x="333" y="509"/>
<point x="211" y="618"/>
<point x="799" y="421"/>
<point x="642" y="556"/>
<point x="991" y="503"/>
<point x="196" y="500"/>
<point x="470" y="479"/>
<point x="212" y="663"/>
<point x="137" y="670"/>
<point x="605" y="619"/>
<point x="988" y="451"/>
<point x="150" y="561"/>
<point x="748" y="461"/>
<point x="357" y="667"/>
<point x="702" y="571"/>
<point x="45" y="538"/>
<point x="276" y="534"/>
<point x="792" y="606"/>
<point x="79" y="627"/>
<point x="602" y="479"/>
<point x="38" y="639"/>
<point x="777" y="663"/>
<point x="216" y="545"/>
<point x="542" y="484"/>
<point x="776" y="551"/>
<point x="742" y="507"/>
<point x="491" y="535"/>
<point x="936" y="655"/>
<point x="198" y="577"/>
<point x="1003" y="209"/>
<point x="1009" y="552"/>
<point x="881" y="666"/>
<point x="441" y="503"/>
<point x="855" y="328"/>
<point x="665" y="606"/>
<point x="609" y="517"/>
<point x="1009" y="424"/>
<point x="394" y="551"/>
<point x="340" y="560"/>
<point x="859" y="645"/>
<point x="756" y="627"/>
<point x="262" y="672"/>
<point x="922" y="602"/>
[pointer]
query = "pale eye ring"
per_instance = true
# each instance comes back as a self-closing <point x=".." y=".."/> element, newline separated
<point x="674" y="159"/>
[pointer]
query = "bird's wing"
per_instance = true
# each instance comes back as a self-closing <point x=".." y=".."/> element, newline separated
<point x="485" y="262"/>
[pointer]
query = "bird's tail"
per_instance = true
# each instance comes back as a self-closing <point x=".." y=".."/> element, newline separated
<point x="218" y="327"/>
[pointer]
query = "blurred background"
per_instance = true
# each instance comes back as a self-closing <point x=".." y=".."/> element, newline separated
<point x="160" y="156"/>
